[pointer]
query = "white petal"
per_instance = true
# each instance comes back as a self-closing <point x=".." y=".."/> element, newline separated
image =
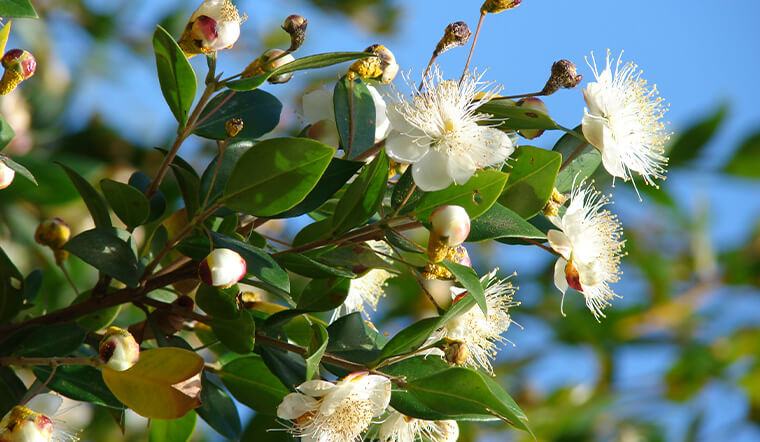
<point x="611" y="159"/>
<point x="560" y="243"/>
<point x="402" y="148"/>
<point x="316" y="388"/>
<point x="461" y="168"/>
<point x="430" y="172"/>
<point x="379" y="389"/>
<point x="398" y="120"/>
<point x="296" y="405"/>
<point x="47" y="404"/>
<point x="318" y="106"/>
<point x="593" y="129"/>
<point x="499" y="145"/>
<point x="228" y="33"/>
<point x="560" y="280"/>
<point x="382" y="123"/>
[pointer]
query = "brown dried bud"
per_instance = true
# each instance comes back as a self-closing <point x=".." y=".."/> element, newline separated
<point x="456" y="34"/>
<point x="564" y="76"/>
<point x="456" y="352"/>
<point x="233" y="126"/>
<point x="295" y="25"/>
<point x="19" y="65"/>
<point x="53" y="233"/>
<point x="497" y="6"/>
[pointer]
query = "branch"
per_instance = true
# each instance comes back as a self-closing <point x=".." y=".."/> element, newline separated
<point x="52" y="362"/>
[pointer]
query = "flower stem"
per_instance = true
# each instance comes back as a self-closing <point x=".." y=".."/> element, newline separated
<point x="427" y="71"/>
<point x="67" y="275"/>
<point x="472" y="48"/>
<point x="52" y="362"/>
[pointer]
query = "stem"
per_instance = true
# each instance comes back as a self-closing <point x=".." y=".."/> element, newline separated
<point x="52" y="362"/>
<point x="512" y="97"/>
<point x="222" y="145"/>
<point x="406" y="199"/>
<point x="427" y="71"/>
<point x="548" y="249"/>
<point x="67" y="275"/>
<point x="472" y="48"/>
<point x="371" y="151"/>
<point x="578" y="150"/>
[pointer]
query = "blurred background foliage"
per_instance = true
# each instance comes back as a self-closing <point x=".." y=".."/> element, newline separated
<point x="678" y="358"/>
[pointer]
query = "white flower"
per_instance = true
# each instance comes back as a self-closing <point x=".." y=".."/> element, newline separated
<point x="481" y="334"/>
<point x="590" y="244"/>
<point x="366" y="290"/>
<point x="319" y="111"/>
<point x="118" y="349"/>
<point x="438" y="131"/>
<point x="214" y="26"/>
<point x="328" y="412"/>
<point x="400" y="428"/>
<point x="222" y="268"/>
<point x="22" y="424"/>
<point x="6" y="175"/>
<point x="624" y="121"/>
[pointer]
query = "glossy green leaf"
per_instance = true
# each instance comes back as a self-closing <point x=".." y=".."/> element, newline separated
<point x="324" y="294"/>
<point x="190" y="185"/>
<point x="17" y="9"/>
<point x="531" y="180"/>
<point x="317" y="231"/>
<point x="579" y="161"/>
<point x="312" y="268"/>
<point x="19" y="169"/>
<point x="250" y="382"/>
<point x="315" y="350"/>
<point x="11" y="288"/>
<point x="746" y="160"/>
<point x="401" y="190"/>
<point x="470" y="281"/>
<point x="52" y="340"/>
<point x="176" y="430"/>
<point x="80" y="383"/>
<point x="259" y="429"/>
<point x="309" y="62"/>
<point x="515" y="117"/>
<point x="175" y="74"/>
<point x="6" y="132"/>
<point x="217" y="407"/>
<point x="141" y="182"/>
<point x="354" y="116"/>
<point x="275" y="175"/>
<point x="687" y="145"/>
<point x="352" y="338"/>
<point x="95" y="203"/>
<point x="236" y="334"/>
<point x="259" y="263"/>
<point x="499" y="222"/>
<point x="129" y="204"/>
<point x="363" y="196"/>
<point x="105" y="251"/>
<point x="12" y="389"/>
<point x="231" y="157"/>
<point x="476" y="196"/>
<point x="259" y="110"/>
<point x="410" y="338"/>
<point x="219" y="303"/>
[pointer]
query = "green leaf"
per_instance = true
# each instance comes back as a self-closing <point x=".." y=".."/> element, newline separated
<point x="259" y="429"/>
<point x="352" y="338"/>
<point x="11" y="390"/>
<point x="337" y="174"/>
<point x="175" y="75"/>
<point x="354" y="116"/>
<point x="259" y="263"/>
<point x="363" y="196"/>
<point x="99" y="319"/>
<point x="531" y="180"/>
<point x="250" y="382"/>
<point x="312" y="268"/>
<point x="17" y="9"/>
<point x="476" y="196"/>
<point x="237" y="334"/>
<point x="105" y="251"/>
<point x="259" y="110"/>
<point x="403" y="186"/>
<point x="582" y="161"/>
<point x="516" y="117"/>
<point x="315" y="350"/>
<point x="500" y="222"/>
<point x="95" y="203"/>
<point x="308" y="62"/>
<point x="275" y="175"/>
<point x="6" y="133"/>
<point x="190" y="185"/>
<point x="217" y="408"/>
<point x="231" y="157"/>
<point x="141" y="182"/>
<point x="458" y="391"/>
<point x="52" y="340"/>
<point x="19" y="169"/>
<point x="129" y="204"/>
<point x="746" y="160"/>
<point x="410" y="338"/>
<point x="324" y="294"/>
<point x="687" y="146"/>
<point x="219" y="303"/>
<point x="80" y="383"/>
<point x="470" y="281"/>
<point x="11" y="288"/>
<point x="177" y="430"/>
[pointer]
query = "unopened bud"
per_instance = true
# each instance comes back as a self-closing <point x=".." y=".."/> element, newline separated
<point x="53" y="233"/>
<point x="269" y="61"/>
<point x="564" y="76"/>
<point x="22" y="424"/>
<point x="118" y="349"/>
<point x="295" y="25"/>
<point x="455" y="352"/>
<point x="535" y="104"/>
<point x="234" y="126"/>
<point x="382" y="67"/>
<point x="497" y="6"/>
<point x="451" y="224"/>
<point x="222" y="268"/>
<point x="6" y="175"/>
<point x="456" y="34"/>
<point x="19" y="66"/>
<point x="214" y="26"/>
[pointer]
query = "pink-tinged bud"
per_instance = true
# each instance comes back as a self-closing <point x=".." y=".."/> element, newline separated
<point x="53" y="233"/>
<point x="21" y="424"/>
<point x="118" y="349"/>
<point x="222" y="268"/>
<point x="536" y="104"/>
<point x="19" y="65"/>
<point x="214" y="26"/>
<point x="573" y="277"/>
<point x="6" y="175"/>
<point x="451" y="224"/>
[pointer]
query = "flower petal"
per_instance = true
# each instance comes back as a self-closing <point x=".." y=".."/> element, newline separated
<point x="461" y="168"/>
<point x="296" y="405"/>
<point x="382" y="123"/>
<point x="431" y="172"/>
<point x="379" y="392"/>
<point x="593" y="130"/>
<point x="316" y="388"/>
<point x="318" y="106"/>
<point x="560" y="280"/>
<point x="611" y="158"/>
<point x="560" y="243"/>
<point x="403" y="149"/>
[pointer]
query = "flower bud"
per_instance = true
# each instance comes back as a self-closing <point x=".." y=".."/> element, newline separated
<point x="456" y="34"/>
<point x="21" y="424"/>
<point x="19" y="66"/>
<point x="382" y="67"/>
<point x="573" y="276"/>
<point x="564" y="75"/>
<point x="455" y="352"/>
<point x="535" y="104"/>
<point x="6" y="175"/>
<point x="497" y="6"/>
<point x="222" y="268"/>
<point x="295" y="25"/>
<point x="214" y="26"/>
<point x="233" y="127"/>
<point x="451" y="224"/>
<point x="118" y="349"/>
<point x="53" y="233"/>
<point x="269" y="61"/>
